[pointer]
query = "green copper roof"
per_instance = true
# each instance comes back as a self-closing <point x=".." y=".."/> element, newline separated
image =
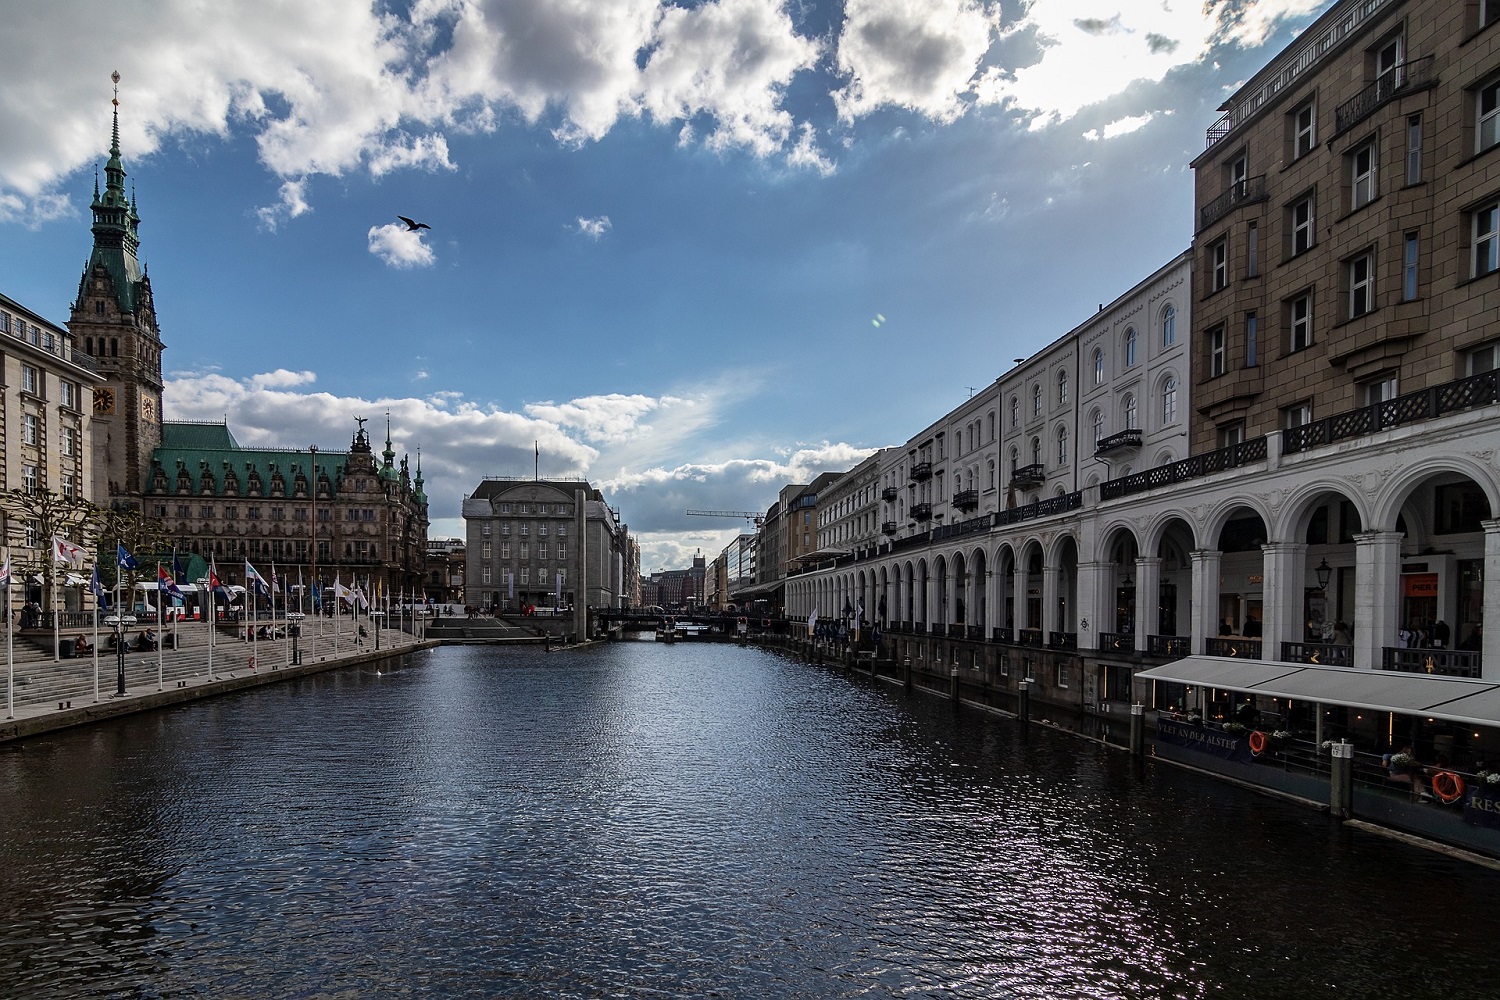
<point x="116" y="236"/>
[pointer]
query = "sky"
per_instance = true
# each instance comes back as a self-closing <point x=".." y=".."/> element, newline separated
<point x="691" y="251"/>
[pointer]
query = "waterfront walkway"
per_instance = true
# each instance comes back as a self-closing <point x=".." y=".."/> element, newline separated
<point x="56" y="694"/>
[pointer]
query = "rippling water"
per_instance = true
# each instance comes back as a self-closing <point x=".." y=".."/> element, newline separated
<point x="650" y="821"/>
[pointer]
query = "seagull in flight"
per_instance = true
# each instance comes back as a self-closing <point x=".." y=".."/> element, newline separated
<point x="412" y="226"/>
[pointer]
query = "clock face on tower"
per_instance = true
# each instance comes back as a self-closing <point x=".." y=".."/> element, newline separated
<point x="148" y="407"/>
<point x="104" y="399"/>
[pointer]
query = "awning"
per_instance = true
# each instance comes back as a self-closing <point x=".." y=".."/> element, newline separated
<point x="1453" y="699"/>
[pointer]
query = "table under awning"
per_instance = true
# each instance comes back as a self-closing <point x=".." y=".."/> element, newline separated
<point x="1453" y="699"/>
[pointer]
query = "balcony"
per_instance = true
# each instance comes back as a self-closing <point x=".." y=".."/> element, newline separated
<point x="1426" y="404"/>
<point x="1244" y="649"/>
<point x="1169" y="647"/>
<point x="1192" y="467"/>
<point x="921" y="511"/>
<point x="966" y="500"/>
<point x="1062" y="640"/>
<point x="1115" y="442"/>
<point x="1030" y="637"/>
<point x="1323" y="654"/>
<point x="1242" y="192"/>
<point x="890" y="494"/>
<point x="1116" y="642"/>
<point x="1410" y="75"/>
<point x="921" y="471"/>
<point x="1029" y="475"/>
<point x="889" y="527"/>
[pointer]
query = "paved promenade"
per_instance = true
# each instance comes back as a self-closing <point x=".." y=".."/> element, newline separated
<point x="56" y="694"/>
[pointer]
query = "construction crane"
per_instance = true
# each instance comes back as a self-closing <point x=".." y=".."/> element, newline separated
<point x="754" y="517"/>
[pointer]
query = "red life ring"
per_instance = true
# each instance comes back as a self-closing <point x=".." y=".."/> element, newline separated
<point x="1448" y="787"/>
<point x="1257" y="743"/>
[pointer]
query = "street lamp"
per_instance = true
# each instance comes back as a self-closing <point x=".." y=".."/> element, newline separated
<point x="1325" y="573"/>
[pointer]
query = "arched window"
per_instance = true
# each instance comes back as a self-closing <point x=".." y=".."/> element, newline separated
<point x="1062" y="388"/>
<point x="992" y="425"/>
<point x="1062" y="446"/>
<point x="1015" y="412"/>
<point x="1098" y="426"/>
<point x="1129" y="346"/>
<point x="1015" y="459"/>
<point x="992" y="474"/>
<point x="1036" y="400"/>
<point x="1098" y="366"/>
<point x="1130" y="414"/>
<point x="1169" y="401"/>
<point x="1036" y="451"/>
<point x="1169" y="326"/>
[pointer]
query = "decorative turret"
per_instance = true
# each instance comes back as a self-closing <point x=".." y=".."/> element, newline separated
<point x="116" y="228"/>
<point x="387" y="468"/>
<point x="419" y="493"/>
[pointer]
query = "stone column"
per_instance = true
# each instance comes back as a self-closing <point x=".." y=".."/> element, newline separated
<point x="1377" y="595"/>
<point x="1284" y="566"/>
<point x="1147" y="600"/>
<point x="1490" y="637"/>
<point x="1050" y="623"/>
<point x="1018" y="598"/>
<point x="1090" y="610"/>
<point x="1205" y="596"/>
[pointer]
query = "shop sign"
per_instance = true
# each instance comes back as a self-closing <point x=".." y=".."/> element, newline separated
<point x="1482" y="806"/>
<point x="1214" y="742"/>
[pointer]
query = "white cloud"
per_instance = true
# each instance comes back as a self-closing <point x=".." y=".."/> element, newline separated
<point x="1122" y="126"/>
<point x="917" y="54"/>
<point x="594" y="228"/>
<point x="399" y="247"/>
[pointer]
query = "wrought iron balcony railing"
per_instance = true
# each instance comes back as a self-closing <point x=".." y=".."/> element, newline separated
<point x="1029" y="475"/>
<point x="1130" y="438"/>
<point x="966" y="500"/>
<point x="1246" y="191"/>
<point x="1189" y="468"/>
<point x="921" y="511"/>
<point x="921" y="471"/>
<point x="1440" y="400"/>
<point x="890" y="494"/>
<point x="1391" y="84"/>
<point x="889" y="527"/>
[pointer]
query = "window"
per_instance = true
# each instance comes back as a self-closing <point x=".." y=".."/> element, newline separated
<point x="29" y="429"/>
<point x="525" y="528"/>
<point x="1304" y="130"/>
<point x="1299" y="322"/>
<point x="1252" y="340"/>
<point x="1062" y="388"/>
<point x="1129" y="410"/>
<point x="1483" y="359"/>
<point x="525" y="574"/>
<point x="1361" y="284"/>
<point x="484" y="572"/>
<point x="1098" y="366"/>
<point x="1036" y="451"/>
<point x="69" y="486"/>
<point x="1409" y="269"/>
<point x="525" y="548"/>
<point x="1232" y="434"/>
<point x="206" y="511"/>
<point x="1015" y="412"/>
<point x="1414" y="149"/>
<point x="28" y="478"/>
<point x="486" y="551"/>
<point x="1489" y="12"/>
<point x="1098" y="427"/>
<point x="1015" y="459"/>
<point x="68" y="441"/>
<point x="1484" y="250"/>
<point x="505" y="550"/>
<point x="1252" y="250"/>
<point x="1296" y="416"/>
<point x="29" y="381"/>
<point x="1303" y="234"/>
<point x="1235" y="172"/>
<point x="1062" y="446"/>
<point x="1216" y="358"/>
<point x="1036" y="400"/>
<point x="1362" y="176"/>
<point x="541" y="550"/>
<point x="1169" y="326"/>
<point x="69" y="394"/>
<point x="1487" y="111"/>
<point x="1169" y="401"/>
<point x="1382" y="390"/>
<point x="1218" y="265"/>
<point x="1129" y="346"/>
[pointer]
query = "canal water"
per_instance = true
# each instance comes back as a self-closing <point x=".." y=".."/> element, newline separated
<point x="636" y="820"/>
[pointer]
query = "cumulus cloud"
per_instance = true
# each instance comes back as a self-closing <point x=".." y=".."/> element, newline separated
<point x="594" y="228"/>
<point x="1121" y="126"/>
<point x="399" y="247"/>
<point x="462" y="442"/>
<point x="917" y="54"/>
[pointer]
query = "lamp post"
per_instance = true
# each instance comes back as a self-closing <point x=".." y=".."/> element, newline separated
<point x="119" y="652"/>
<point x="1325" y="574"/>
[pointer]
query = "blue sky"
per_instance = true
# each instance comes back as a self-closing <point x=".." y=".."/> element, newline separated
<point x="696" y="250"/>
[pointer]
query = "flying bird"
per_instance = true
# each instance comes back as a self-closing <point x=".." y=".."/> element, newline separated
<point x="412" y="226"/>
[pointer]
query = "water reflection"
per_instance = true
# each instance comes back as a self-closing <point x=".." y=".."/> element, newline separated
<point x="636" y="821"/>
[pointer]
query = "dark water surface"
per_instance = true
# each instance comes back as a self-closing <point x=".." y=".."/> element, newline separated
<point x="682" y="821"/>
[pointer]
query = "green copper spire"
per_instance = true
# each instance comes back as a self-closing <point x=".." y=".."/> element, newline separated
<point x="116" y="239"/>
<point x="421" y="495"/>
<point x="387" y="468"/>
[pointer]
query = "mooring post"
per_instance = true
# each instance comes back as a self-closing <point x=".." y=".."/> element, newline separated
<point x="906" y="674"/>
<point x="1137" y="729"/>
<point x="1341" y="780"/>
<point x="953" y="686"/>
<point x="1024" y="709"/>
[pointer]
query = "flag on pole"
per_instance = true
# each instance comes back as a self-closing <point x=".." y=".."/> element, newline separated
<point x="214" y="584"/>
<point x="5" y="571"/>
<point x="255" y="581"/>
<point x="65" y="552"/>
<point x="123" y="556"/>
<point x="178" y="573"/>
<point x="96" y="587"/>
<point x="165" y="583"/>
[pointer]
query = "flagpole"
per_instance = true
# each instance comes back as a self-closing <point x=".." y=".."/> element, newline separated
<point x="160" y="628"/>
<point x="96" y="641"/>
<point x="56" y="651"/>
<point x="10" y="658"/>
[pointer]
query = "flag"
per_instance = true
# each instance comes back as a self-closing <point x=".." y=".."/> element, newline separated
<point x="165" y="583"/>
<point x="214" y="585"/>
<point x="96" y="587"/>
<point x="178" y="573"/>
<point x="812" y="621"/>
<point x="275" y="581"/>
<point x="123" y="556"/>
<point x="65" y="552"/>
<point x="5" y="571"/>
<point x="317" y="596"/>
<point x="255" y="581"/>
